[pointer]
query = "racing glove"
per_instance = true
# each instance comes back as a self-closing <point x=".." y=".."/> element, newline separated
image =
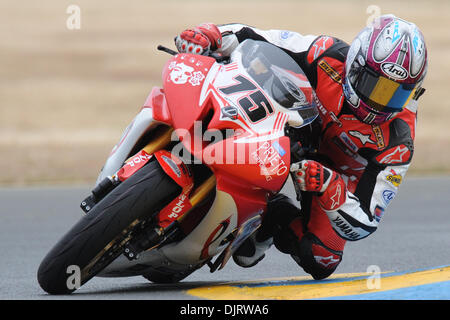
<point x="311" y="176"/>
<point x="199" y="39"/>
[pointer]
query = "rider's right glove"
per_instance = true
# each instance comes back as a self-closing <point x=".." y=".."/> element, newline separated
<point x="200" y="39"/>
<point x="311" y="176"/>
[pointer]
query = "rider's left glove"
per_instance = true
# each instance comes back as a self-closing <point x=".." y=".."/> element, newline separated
<point x="311" y="176"/>
<point x="199" y="39"/>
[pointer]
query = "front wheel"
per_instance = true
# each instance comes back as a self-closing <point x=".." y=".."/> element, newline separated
<point x="98" y="238"/>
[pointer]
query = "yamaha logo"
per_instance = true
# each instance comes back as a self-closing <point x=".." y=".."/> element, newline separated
<point x="394" y="70"/>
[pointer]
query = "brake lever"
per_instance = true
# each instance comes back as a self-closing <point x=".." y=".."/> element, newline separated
<point x="167" y="50"/>
<point x="207" y="53"/>
<point x="297" y="154"/>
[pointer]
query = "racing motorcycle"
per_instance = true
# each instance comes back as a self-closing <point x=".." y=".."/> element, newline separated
<point x="189" y="179"/>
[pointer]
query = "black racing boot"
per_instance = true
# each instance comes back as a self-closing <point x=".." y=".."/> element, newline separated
<point x="280" y="212"/>
<point x="251" y="251"/>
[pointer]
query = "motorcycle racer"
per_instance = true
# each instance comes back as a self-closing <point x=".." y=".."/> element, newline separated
<point x="368" y="92"/>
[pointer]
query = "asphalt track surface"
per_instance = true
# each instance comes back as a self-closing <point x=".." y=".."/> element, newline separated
<point x="413" y="235"/>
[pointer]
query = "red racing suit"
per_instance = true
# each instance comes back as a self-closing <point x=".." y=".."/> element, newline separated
<point x="371" y="159"/>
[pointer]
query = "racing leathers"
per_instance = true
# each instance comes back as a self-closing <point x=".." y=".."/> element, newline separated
<point x="365" y="163"/>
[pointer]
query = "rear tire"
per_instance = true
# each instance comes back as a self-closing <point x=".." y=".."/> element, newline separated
<point x="134" y="200"/>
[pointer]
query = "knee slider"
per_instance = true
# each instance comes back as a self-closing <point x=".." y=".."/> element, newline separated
<point x="315" y="258"/>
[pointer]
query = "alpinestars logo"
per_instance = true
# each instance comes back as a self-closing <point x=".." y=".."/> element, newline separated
<point x="319" y="47"/>
<point x="326" y="261"/>
<point x="396" y="156"/>
<point x="364" y="138"/>
<point x="336" y="198"/>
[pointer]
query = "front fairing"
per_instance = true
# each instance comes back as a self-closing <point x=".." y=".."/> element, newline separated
<point x="183" y="78"/>
<point x="254" y="96"/>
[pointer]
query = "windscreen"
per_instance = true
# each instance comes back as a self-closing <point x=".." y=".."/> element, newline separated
<point x="280" y="77"/>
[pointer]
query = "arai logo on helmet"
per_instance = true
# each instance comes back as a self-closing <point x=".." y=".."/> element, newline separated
<point x="394" y="70"/>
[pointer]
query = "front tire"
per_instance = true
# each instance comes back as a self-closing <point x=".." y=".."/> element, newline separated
<point x="97" y="239"/>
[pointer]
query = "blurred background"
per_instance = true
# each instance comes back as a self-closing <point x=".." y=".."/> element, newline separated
<point x="67" y="94"/>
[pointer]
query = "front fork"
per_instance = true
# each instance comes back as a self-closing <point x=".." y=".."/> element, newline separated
<point x="170" y="217"/>
<point x="130" y="166"/>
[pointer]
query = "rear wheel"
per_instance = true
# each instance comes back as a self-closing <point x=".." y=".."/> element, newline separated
<point x="98" y="238"/>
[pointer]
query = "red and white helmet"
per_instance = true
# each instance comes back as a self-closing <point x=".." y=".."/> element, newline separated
<point x="385" y="66"/>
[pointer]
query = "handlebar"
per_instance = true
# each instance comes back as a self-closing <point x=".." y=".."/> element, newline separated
<point x="167" y="50"/>
<point x="207" y="53"/>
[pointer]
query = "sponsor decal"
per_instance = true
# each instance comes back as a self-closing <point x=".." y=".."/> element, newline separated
<point x="285" y="34"/>
<point x="378" y="136"/>
<point x="364" y="138"/>
<point x="348" y="142"/>
<point x="416" y="42"/>
<point x="279" y="148"/>
<point x="388" y="195"/>
<point x="338" y="142"/>
<point x="141" y="158"/>
<point x="177" y="208"/>
<point x="345" y="228"/>
<point x="329" y="70"/>
<point x="230" y="112"/>
<point x="321" y="107"/>
<point x="172" y="165"/>
<point x="350" y="94"/>
<point x="396" y="34"/>
<point x="269" y="159"/>
<point x="378" y="213"/>
<point x="133" y="164"/>
<point x="181" y="74"/>
<point x="216" y="234"/>
<point x="395" y="71"/>
<point x="394" y="178"/>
